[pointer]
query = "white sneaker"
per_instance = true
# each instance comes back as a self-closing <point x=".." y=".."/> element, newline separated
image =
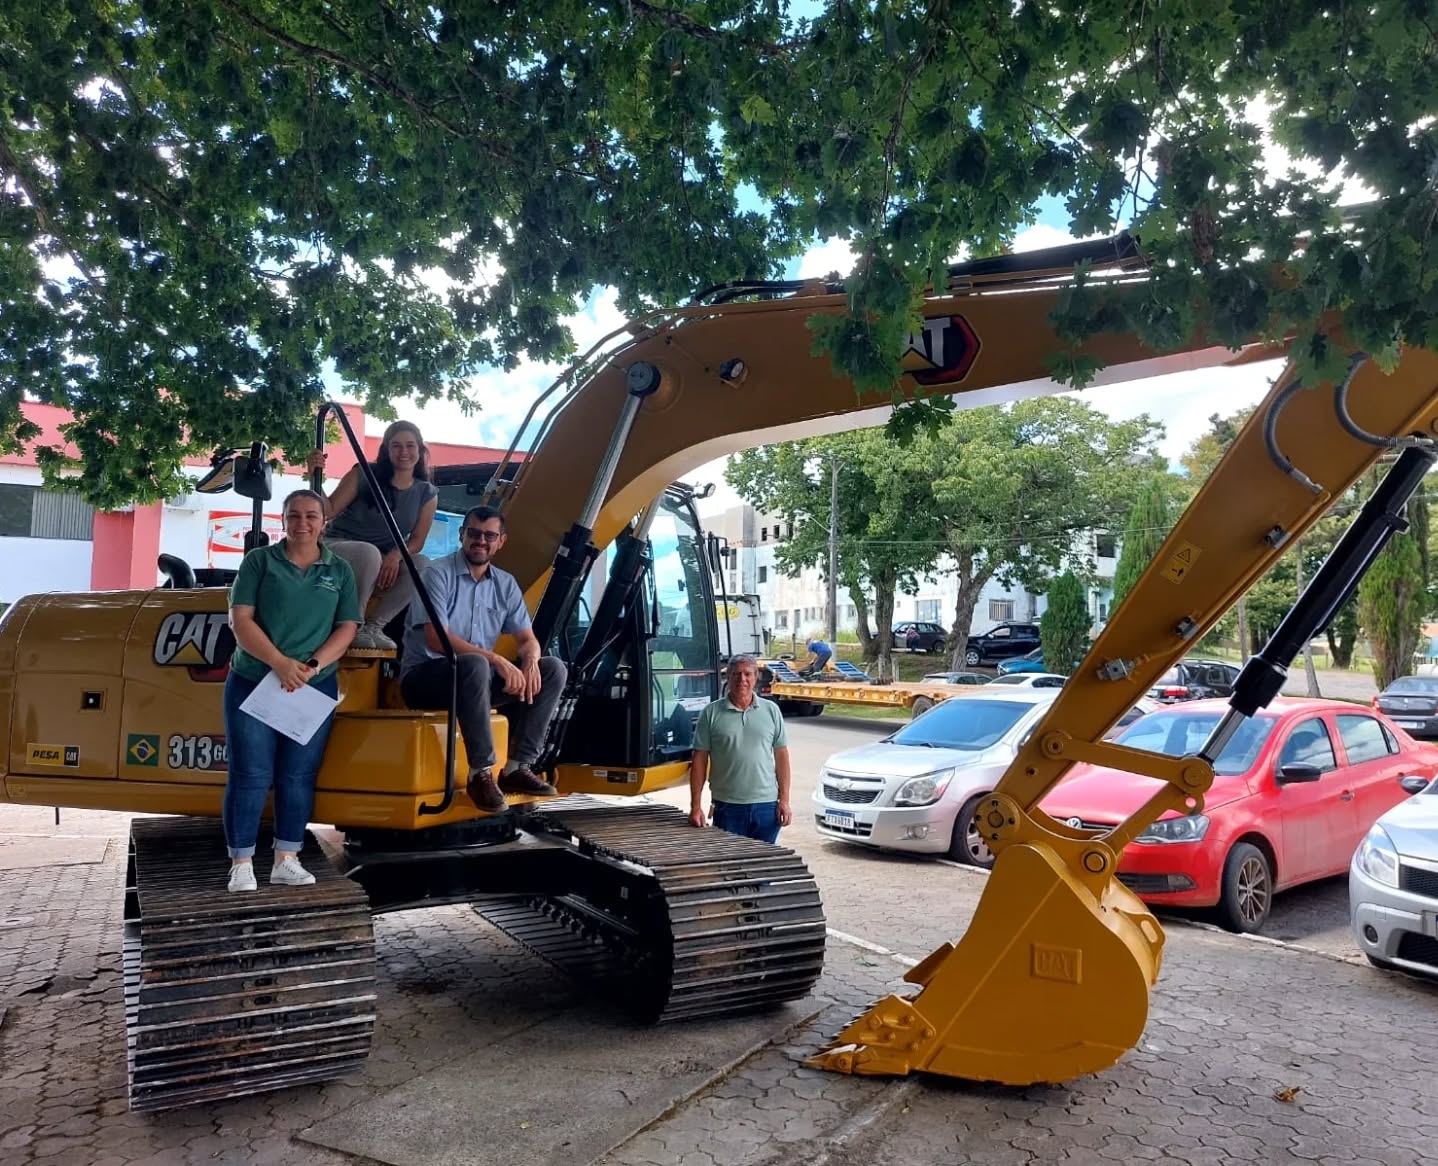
<point x="290" y="873"/>
<point x="242" y="876"/>
<point x="371" y="637"/>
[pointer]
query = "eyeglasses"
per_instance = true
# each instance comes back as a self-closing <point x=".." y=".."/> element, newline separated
<point x="482" y="536"/>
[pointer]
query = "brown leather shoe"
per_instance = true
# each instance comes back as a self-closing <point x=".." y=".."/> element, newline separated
<point x="523" y="780"/>
<point x="484" y="793"/>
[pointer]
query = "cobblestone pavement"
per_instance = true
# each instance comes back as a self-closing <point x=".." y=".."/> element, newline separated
<point x="1233" y="1023"/>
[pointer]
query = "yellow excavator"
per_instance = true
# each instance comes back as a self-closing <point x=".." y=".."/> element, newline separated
<point x="114" y="703"/>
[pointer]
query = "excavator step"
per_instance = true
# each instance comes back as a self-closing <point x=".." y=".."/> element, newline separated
<point x="229" y="994"/>
<point x="704" y="922"/>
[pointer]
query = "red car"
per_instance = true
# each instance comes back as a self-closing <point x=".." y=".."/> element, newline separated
<point x="1293" y="794"/>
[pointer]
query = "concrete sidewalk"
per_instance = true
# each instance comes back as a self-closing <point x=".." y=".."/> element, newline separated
<point x="484" y="1054"/>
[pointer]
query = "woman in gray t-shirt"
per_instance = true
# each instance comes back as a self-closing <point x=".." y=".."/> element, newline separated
<point x="358" y="534"/>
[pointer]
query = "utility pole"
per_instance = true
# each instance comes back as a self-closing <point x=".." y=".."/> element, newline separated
<point x="833" y="548"/>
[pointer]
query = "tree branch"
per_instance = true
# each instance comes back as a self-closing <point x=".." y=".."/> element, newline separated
<point x="25" y="179"/>
<point x="685" y="23"/>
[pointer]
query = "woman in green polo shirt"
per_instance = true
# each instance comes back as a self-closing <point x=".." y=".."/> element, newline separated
<point x="294" y="610"/>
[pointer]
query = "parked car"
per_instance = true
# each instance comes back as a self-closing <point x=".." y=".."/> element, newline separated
<point x="932" y="636"/>
<point x="917" y="789"/>
<point x="1294" y="791"/>
<point x="1002" y="642"/>
<point x="1412" y="702"/>
<point x="1194" y="680"/>
<point x="1393" y="884"/>
<point x="1030" y="680"/>
<point x="969" y="678"/>
<point x="1028" y="662"/>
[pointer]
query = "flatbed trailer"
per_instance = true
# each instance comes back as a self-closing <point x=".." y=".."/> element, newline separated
<point x="807" y="698"/>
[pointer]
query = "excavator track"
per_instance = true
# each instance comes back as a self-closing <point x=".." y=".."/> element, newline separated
<point x="231" y="994"/>
<point x="680" y="923"/>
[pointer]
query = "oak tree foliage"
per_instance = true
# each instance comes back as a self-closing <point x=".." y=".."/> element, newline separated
<point x="206" y="204"/>
<point x="1004" y="492"/>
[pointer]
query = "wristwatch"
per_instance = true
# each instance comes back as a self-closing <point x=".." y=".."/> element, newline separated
<point x="312" y="662"/>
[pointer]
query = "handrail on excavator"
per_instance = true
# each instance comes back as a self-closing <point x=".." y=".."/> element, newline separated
<point x="382" y="505"/>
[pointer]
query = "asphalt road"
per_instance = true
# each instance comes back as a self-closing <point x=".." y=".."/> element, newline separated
<point x="906" y="904"/>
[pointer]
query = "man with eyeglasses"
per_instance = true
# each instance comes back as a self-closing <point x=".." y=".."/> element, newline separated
<point x="478" y="603"/>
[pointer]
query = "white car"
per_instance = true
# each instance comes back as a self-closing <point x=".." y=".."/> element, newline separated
<point x="916" y="790"/>
<point x="1393" y="884"/>
<point x="1030" y="680"/>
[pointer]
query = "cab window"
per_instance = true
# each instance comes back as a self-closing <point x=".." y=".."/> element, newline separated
<point x="1309" y="744"/>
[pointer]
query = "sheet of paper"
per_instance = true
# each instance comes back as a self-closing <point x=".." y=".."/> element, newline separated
<point x="298" y="715"/>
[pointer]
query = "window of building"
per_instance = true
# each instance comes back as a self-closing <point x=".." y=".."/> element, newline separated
<point x="849" y="613"/>
<point x="796" y="619"/>
<point x="789" y="533"/>
<point x="733" y="582"/>
<point x="1000" y="610"/>
<point x="1105" y="546"/>
<point x="30" y="512"/>
<point x="763" y="574"/>
<point x="927" y="611"/>
<point x="763" y="534"/>
<point x="781" y="619"/>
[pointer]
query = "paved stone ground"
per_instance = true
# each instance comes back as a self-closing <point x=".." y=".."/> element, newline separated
<point x="1233" y="1023"/>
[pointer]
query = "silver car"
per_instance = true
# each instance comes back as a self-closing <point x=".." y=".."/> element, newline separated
<point x="1393" y="884"/>
<point x="916" y="789"/>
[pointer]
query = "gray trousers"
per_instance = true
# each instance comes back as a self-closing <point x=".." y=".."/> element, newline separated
<point x="426" y="686"/>
<point x="364" y="559"/>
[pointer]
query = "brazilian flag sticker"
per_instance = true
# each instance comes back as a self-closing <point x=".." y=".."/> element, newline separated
<point x="143" y="749"/>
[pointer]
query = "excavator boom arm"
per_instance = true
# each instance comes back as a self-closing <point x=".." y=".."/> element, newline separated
<point x="1052" y="977"/>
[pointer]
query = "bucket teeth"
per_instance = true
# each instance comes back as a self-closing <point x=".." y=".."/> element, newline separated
<point x="891" y="1039"/>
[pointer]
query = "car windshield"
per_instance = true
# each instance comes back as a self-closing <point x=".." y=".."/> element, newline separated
<point x="1176" y="734"/>
<point x="970" y="723"/>
<point x="1426" y="685"/>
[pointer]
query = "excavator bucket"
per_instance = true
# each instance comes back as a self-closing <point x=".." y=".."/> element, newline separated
<point x="1050" y="982"/>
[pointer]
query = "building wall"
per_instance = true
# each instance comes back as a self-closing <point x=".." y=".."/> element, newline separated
<point x="794" y="607"/>
<point x="206" y="530"/>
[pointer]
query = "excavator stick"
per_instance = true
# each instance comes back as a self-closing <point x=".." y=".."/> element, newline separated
<point x="1049" y="982"/>
<point x="1052" y="978"/>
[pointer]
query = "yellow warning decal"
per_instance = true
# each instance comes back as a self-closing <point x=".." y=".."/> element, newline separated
<point x="1180" y="563"/>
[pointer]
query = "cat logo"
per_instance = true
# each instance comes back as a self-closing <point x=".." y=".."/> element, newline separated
<point x="941" y="352"/>
<point x="66" y="755"/>
<point x="198" y="640"/>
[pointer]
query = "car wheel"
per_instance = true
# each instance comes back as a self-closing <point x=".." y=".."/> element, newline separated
<point x="936" y="647"/>
<point x="972" y="658"/>
<point x="1247" y="889"/>
<point x="967" y="844"/>
<point x="921" y="705"/>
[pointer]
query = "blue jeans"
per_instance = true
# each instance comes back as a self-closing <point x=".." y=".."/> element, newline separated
<point x="261" y="758"/>
<point x="749" y="820"/>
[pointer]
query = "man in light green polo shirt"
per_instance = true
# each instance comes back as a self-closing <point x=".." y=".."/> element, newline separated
<point x="741" y="750"/>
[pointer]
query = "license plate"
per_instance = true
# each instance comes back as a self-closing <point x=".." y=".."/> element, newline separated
<point x="840" y="819"/>
<point x="1409" y="724"/>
